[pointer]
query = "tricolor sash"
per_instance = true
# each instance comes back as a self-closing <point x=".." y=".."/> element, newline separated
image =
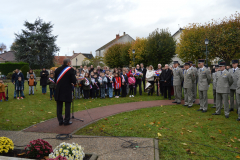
<point x="87" y="82"/>
<point x="123" y="78"/>
<point x="51" y="80"/>
<point x="96" y="85"/>
<point x="64" y="71"/>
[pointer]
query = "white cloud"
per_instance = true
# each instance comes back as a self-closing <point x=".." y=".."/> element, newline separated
<point x="85" y="26"/>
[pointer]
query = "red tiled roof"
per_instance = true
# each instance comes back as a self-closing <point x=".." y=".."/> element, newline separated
<point x="59" y="59"/>
<point x="8" y="56"/>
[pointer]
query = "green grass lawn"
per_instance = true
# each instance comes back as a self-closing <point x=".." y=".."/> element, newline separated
<point x="19" y="114"/>
<point x="186" y="133"/>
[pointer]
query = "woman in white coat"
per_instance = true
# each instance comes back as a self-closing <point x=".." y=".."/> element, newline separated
<point x="150" y="78"/>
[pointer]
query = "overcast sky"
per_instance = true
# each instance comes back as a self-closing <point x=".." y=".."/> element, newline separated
<point x="86" y="25"/>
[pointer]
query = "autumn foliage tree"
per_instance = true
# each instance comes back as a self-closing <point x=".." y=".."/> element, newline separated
<point x="223" y="35"/>
<point x="140" y="51"/>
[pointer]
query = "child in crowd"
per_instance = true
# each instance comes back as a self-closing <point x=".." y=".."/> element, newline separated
<point x="124" y="79"/>
<point x="19" y="87"/>
<point x="86" y="86"/>
<point x="117" y="85"/>
<point x="103" y="81"/>
<point x="110" y="85"/>
<point x="52" y="85"/>
<point x="2" y="90"/>
<point x="82" y="73"/>
<point x="95" y="86"/>
<point x="78" y="86"/>
<point x="31" y="81"/>
<point x="108" y="81"/>
<point x="131" y="81"/>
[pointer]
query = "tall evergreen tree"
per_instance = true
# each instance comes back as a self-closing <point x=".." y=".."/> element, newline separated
<point x="160" y="47"/>
<point x="36" y="44"/>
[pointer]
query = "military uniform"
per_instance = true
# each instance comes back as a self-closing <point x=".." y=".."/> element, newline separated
<point x="238" y="96"/>
<point x="194" y="86"/>
<point x="214" y="83"/>
<point x="189" y="78"/>
<point x="234" y="73"/>
<point x="224" y="81"/>
<point x="177" y="84"/>
<point x="204" y="79"/>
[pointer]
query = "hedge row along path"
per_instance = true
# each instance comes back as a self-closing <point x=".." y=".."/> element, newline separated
<point x="51" y="126"/>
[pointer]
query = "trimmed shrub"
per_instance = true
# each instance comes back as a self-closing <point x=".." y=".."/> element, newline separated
<point x="7" y="67"/>
<point x="24" y="70"/>
<point x="37" y="72"/>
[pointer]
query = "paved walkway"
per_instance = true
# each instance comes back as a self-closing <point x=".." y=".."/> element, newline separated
<point x="107" y="148"/>
<point x="51" y="126"/>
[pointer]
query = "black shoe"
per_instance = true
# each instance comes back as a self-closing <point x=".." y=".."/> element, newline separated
<point x="14" y="97"/>
<point x="215" y="114"/>
<point x="213" y="107"/>
<point x="174" y="99"/>
<point x="237" y="110"/>
<point x="174" y="102"/>
<point x="68" y="123"/>
<point x="169" y="98"/>
<point x="238" y="119"/>
<point x="23" y="96"/>
<point x="184" y="105"/>
<point x="60" y="123"/>
<point x="231" y="109"/>
<point x="194" y="101"/>
<point x="227" y="116"/>
<point x="198" y="104"/>
<point x="189" y="106"/>
<point x="204" y="111"/>
<point x="29" y="94"/>
<point x="200" y="110"/>
<point x="178" y="103"/>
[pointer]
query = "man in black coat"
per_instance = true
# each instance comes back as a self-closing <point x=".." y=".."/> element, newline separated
<point x="64" y="91"/>
<point x="166" y="81"/>
<point x="144" y="74"/>
<point x="43" y="81"/>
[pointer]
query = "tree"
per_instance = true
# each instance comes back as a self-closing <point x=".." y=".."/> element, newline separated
<point x="160" y="47"/>
<point x="95" y="61"/>
<point x="117" y="55"/>
<point x="36" y="44"/>
<point x="224" y="40"/>
<point x="3" y="47"/>
<point x="192" y="46"/>
<point x="140" y="51"/>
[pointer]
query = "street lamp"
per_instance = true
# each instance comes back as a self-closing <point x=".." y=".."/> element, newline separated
<point x="133" y="51"/>
<point x="206" y="42"/>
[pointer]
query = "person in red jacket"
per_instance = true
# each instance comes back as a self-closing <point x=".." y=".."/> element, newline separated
<point x="117" y="85"/>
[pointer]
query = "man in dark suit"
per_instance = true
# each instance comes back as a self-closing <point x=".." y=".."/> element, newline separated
<point x="144" y="74"/>
<point x="166" y="81"/>
<point x="65" y="80"/>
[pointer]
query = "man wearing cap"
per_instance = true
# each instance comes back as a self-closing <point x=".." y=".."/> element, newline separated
<point x="224" y="81"/>
<point x="189" y="79"/>
<point x="214" y="80"/>
<point x="238" y="98"/>
<point x="194" y="86"/>
<point x="203" y="83"/>
<point x="177" y="82"/>
<point x="235" y="73"/>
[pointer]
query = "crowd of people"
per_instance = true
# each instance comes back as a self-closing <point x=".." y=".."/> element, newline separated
<point x="90" y="82"/>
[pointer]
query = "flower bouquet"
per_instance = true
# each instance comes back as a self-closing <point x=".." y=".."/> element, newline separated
<point x="138" y="75"/>
<point x="38" y="149"/>
<point x="6" y="145"/>
<point x="58" y="158"/>
<point x="70" y="151"/>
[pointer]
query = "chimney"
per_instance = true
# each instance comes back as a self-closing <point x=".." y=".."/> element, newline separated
<point x="58" y="56"/>
<point x="90" y="52"/>
<point x="66" y="55"/>
<point x="117" y="36"/>
<point x="123" y="33"/>
<point x="73" y="52"/>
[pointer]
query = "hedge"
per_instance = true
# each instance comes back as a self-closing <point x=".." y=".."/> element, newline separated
<point x="7" y="67"/>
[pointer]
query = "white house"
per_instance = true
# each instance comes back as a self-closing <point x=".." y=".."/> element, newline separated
<point x="176" y="36"/>
<point x="119" y="39"/>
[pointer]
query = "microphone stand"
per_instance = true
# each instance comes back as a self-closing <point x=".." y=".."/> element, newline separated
<point x="73" y="107"/>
